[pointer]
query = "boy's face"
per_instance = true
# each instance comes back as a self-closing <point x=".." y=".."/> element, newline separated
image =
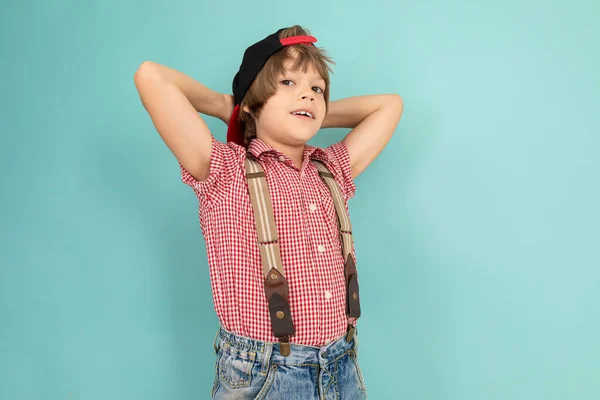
<point x="296" y="90"/>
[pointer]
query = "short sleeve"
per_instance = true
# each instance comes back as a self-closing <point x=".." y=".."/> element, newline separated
<point x="340" y="159"/>
<point x="223" y="160"/>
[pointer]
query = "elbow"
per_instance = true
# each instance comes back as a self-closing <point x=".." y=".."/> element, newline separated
<point x="397" y="99"/>
<point x="146" y="70"/>
<point x="396" y="102"/>
<point x="146" y="65"/>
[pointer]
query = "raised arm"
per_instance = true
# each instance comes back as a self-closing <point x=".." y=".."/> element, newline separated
<point x="173" y="101"/>
<point x="373" y="118"/>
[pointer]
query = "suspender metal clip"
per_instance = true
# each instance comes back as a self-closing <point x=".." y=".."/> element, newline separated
<point x="350" y="333"/>
<point x="284" y="346"/>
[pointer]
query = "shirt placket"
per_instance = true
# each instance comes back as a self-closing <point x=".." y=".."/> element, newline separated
<point x="320" y="249"/>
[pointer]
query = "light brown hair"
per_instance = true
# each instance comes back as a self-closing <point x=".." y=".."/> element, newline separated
<point x="265" y="84"/>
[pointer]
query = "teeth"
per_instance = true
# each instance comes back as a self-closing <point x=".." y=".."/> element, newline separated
<point x="303" y="113"/>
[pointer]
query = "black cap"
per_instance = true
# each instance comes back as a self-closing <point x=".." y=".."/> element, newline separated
<point x="255" y="58"/>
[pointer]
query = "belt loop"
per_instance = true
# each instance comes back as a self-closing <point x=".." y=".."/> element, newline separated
<point x="266" y="361"/>
<point x="215" y="341"/>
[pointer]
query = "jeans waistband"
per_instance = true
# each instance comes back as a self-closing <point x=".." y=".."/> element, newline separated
<point x="269" y="351"/>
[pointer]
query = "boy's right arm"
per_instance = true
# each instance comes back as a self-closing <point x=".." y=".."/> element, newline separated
<point x="173" y="101"/>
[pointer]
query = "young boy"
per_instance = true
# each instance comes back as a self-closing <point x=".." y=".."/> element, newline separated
<point x="274" y="213"/>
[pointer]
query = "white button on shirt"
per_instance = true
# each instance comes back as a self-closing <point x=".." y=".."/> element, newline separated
<point x="321" y="249"/>
<point x="281" y="158"/>
<point x="312" y="207"/>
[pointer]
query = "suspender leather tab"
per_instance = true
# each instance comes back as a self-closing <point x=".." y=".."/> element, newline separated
<point x="281" y="317"/>
<point x="352" y="299"/>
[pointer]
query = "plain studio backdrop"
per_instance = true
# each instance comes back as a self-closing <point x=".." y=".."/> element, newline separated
<point x="477" y="228"/>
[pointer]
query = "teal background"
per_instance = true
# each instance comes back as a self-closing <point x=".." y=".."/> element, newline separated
<point x="476" y="229"/>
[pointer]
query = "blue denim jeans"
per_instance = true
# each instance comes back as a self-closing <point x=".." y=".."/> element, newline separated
<point x="251" y="369"/>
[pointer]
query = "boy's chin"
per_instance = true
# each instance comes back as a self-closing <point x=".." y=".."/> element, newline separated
<point x="293" y="138"/>
<point x="300" y="138"/>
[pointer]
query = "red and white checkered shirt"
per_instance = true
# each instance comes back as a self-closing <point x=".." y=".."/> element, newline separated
<point x="308" y="234"/>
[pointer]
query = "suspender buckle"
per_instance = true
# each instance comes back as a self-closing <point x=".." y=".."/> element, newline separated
<point x="284" y="346"/>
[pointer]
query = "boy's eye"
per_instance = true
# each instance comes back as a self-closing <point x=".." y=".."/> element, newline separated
<point x="318" y="89"/>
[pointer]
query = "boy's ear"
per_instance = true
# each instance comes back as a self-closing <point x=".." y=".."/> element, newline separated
<point x="247" y="110"/>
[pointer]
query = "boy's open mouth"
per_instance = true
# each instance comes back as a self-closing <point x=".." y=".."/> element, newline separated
<point x="302" y="114"/>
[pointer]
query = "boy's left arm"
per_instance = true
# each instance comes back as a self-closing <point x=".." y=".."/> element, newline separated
<point x="373" y="120"/>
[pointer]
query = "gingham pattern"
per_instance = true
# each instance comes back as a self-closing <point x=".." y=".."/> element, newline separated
<point x="308" y="232"/>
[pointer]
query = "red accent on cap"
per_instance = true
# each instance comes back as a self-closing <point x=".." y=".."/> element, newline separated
<point x="234" y="128"/>
<point x="298" y="40"/>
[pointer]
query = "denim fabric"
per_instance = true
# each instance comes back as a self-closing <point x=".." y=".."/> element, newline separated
<point x="251" y="369"/>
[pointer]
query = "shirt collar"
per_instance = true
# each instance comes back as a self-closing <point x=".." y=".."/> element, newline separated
<point x="260" y="149"/>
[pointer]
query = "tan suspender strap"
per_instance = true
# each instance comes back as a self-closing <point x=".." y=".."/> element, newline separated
<point x="264" y="218"/>
<point x="276" y="286"/>
<point x="352" y="298"/>
<point x="340" y="207"/>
